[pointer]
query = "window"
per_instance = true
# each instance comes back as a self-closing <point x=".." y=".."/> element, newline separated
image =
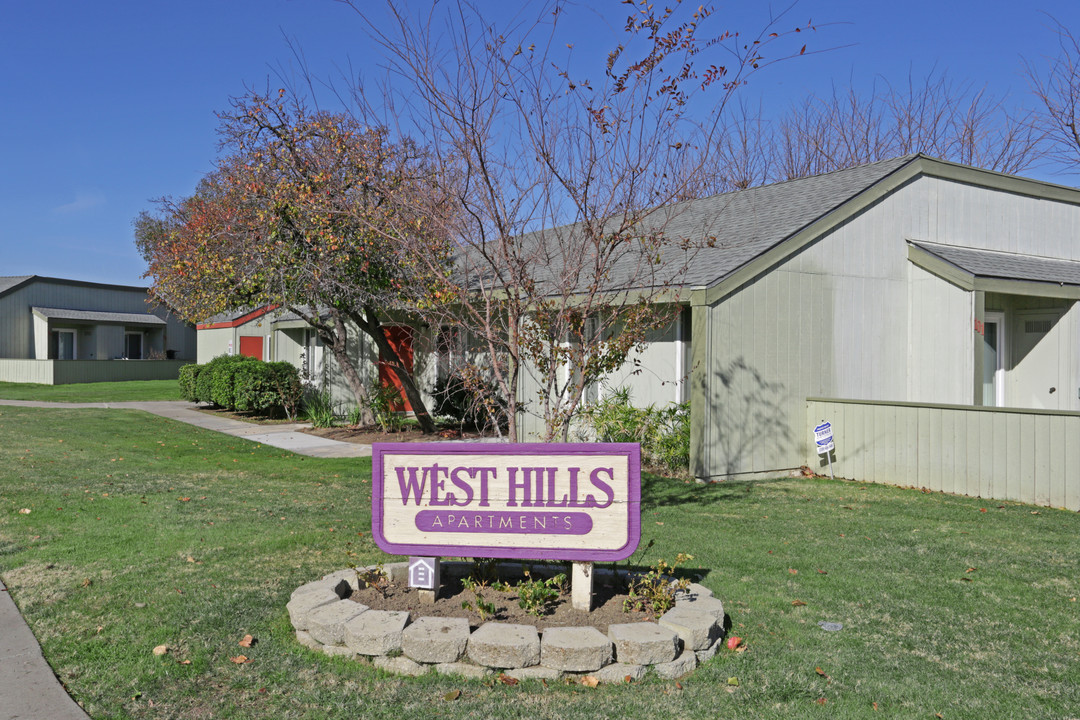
<point x="133" y="342"/>
<point x="62" y="345"/>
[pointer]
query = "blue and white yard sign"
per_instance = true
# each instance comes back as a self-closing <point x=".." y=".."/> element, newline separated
<point x="823" y="438"/>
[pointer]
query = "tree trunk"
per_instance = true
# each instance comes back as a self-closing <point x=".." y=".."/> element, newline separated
<point x="335" y="337"/>
<point x="369" y="322"/>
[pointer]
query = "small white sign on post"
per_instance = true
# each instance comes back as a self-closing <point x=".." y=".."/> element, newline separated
<point x="823" y="439"/>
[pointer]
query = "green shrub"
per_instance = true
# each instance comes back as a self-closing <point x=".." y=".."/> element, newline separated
<point x="223" y="382"/>
<point x="469" y="400"/>
<point x="189" y="375"/>
<point x="319" y="409"/>
<point x="267" y="388"/>
<point x="664" y="433"/>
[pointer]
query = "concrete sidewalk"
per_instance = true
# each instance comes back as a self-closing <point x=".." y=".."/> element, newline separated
<point x="287" y="437"/>
<point x="28" y="688"/>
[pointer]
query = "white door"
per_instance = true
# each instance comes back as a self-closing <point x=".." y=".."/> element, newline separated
<point x="1035" y="375"/>
<point x="994" y="360"/>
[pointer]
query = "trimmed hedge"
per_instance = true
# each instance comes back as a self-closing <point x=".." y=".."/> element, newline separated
<point x="264" y="387"/>
<point x="189" y="375"/>
<point x="238" y="382"/>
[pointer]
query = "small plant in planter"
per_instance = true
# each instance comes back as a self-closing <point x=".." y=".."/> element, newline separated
<point x="655" y="591"/>
<point x="534" y="596"/>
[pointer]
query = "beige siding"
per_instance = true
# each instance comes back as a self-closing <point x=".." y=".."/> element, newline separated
<point x="64" y="372"/>
<point x="1003" y="454"/>
<point x="849" y="316"/>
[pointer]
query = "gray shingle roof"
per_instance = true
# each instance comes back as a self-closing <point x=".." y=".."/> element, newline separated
<point x="724" y="232"/>
<point x="98" y="316"/>
<point x="1006" y="265"/>
<point x="10" y="281"/>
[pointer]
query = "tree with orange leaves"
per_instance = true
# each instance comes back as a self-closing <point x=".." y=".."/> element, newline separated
<point x="290" y="217"/>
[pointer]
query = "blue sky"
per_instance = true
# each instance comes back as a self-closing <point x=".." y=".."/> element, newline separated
<point x="106" y="105"/>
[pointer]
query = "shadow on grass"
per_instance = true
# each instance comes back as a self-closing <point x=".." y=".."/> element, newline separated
<point x="659" y="491"/>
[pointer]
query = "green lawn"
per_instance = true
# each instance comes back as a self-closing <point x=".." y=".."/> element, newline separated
<point x="143" y="532"/>
<point x="132" y="390"/>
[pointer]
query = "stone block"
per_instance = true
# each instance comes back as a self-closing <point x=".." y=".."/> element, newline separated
<point x="575" y="649"/>
<point x="692" y="590"/>
<point x="313" y="586"/>
<point x="436" y="640"/>
<point x="327" y="623"/>
<point x="397" y="573"/>
<point x="401" y="666"/>
<point x="704" y="603"/>
<point x="502" y="645"/>
<point x="618" y="672"/>
<point x="304" y="638"/>
<point x="536" y="672"/>
<point x="710" y="652"/>
<point x="376" y="632"/>
<point x="643" y="643"/>
<point x="337" y="651"/>
<point x="462" y="669"/>
<point x="698" y="630"/>
<point x="343" y="581"/>
<point x="682" y="665"/>
<point x="301" y="606"/>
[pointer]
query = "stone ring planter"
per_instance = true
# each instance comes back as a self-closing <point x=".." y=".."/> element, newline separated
<point x="325" y="620"/>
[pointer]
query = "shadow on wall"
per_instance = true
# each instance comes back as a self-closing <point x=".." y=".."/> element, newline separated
<point x="745" y="416"/>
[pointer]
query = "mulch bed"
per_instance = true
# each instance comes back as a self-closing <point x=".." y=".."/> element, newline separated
<point x="607" y="606"/>
<point x="367" y="434"/>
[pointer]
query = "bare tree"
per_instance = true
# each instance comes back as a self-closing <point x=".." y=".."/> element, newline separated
<point x="563" y="181"/>
<point x="1058" y="92"/>
<point x="933" y="116"/>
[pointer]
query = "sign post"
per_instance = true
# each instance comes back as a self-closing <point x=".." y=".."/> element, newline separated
<point x="823" y="438"/>
<point x="575" y="502"/>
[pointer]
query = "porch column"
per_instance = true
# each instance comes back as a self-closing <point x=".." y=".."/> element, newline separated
<point x="978" y="336"/>
<point x="699" y="385"/>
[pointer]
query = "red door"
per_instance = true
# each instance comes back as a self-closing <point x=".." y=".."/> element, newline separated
<point x="400" y="339"/>
<point x="252" y="347"/>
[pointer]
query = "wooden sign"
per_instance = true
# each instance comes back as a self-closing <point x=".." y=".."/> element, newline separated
<point x="524" y="501"/>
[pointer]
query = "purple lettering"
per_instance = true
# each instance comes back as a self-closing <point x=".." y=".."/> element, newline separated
<point x="463" y="485"/>
<point x="411" y="486"/>
<point x="436" y="485"/>
<point x="522" y="485"/>
<point x="576" y="523"/>
<point x="602" y="486"/>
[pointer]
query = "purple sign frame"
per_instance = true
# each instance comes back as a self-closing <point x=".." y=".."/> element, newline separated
<point x="556" y="507"/>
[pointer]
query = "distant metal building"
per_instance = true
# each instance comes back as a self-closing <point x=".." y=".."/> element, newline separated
<point x="56" y="331"/>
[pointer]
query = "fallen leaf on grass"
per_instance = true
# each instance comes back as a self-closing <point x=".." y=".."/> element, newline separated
<point x="247" y="642"/>
<point x="507" y="680"/>
<point x="826" y="572"/>
<point x="452" y="695"/>
<point x="1036" y="512"/>
<point x="821" y="701"/>
<point x="971" y="569"/>
<point x="240" y="659"/>
<point x="966" y="579"/>
<point x="875" y="707"/>
<point x="161" y="649"/>
<point x="678" y="685"/>
<point x="590" y="681"/>
<point x="793" y="571"/>
<point x="822" y="673"/>
<point x="798" y="603"/>
<point x="733" y="681"/>
<point x="87" y="582"/>
<point x="24" y="511"/>
<point x="183" y="662"/>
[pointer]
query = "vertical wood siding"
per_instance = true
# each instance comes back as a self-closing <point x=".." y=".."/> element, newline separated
<point x="65" y="372"/>
<point x="1029" y="456"/>
<point x="849" y="316"/>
